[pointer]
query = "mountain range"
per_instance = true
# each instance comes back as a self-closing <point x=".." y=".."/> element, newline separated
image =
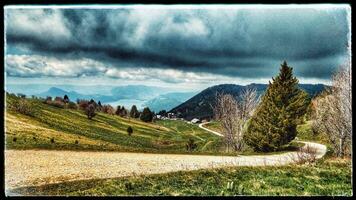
<point x="200" y="105"/>
<point x="188" y="104"/>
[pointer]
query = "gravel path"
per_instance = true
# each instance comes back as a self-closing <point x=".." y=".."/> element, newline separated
<point x="201" y="125"/>
<point x="37" y="167"/>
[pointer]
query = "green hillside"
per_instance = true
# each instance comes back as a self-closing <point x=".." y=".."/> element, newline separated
<point x="50" y="127"/>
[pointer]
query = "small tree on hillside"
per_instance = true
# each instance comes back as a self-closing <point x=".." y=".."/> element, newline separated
<point x="134" y="113"/>
<point x="275" y="120"/>
<point x="99" y="107"/>
<point x="123" y="112"/>
<point x="90" y="111"/>
<point x="108" y="109"/>
<point x="83" y="104"/>
<point x="65" y="99"/>
<point x="118" y="110"/>
<point x="146" y="115"/>
<point x="129" y="130"/>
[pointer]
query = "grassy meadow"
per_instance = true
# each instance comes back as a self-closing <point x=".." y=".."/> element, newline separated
<point x="51" y="127"/>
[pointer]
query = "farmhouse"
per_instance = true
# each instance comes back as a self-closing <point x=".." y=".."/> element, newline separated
<point x="195" y="120"/>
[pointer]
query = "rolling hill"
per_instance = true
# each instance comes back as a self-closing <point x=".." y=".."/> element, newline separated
<point x="50" y="127"/>
<point x="200" y="106"/>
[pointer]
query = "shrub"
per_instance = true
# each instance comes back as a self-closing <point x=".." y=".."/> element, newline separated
<point x="90" y="111"/>
<point x="58" y="104"/>
<point x="48" y="100"/>
<point x="52" y="140"/>
<point x="191" y="145"/>
<point x="59" y="99"/>
<point x="108" y="109"/>
<point x="129" y="130"/>
<point x="83" y="104"/>
<point x="21" y="95"/>
<point x="76" y="142"/>
<point x="22" y="106"/>
<point x="305" y="155"/>
<point x="72" y="105"/>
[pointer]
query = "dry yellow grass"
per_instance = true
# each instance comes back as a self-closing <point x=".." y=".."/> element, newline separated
<point x="26" y="127"/>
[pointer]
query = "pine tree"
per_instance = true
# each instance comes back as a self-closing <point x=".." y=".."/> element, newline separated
<point x="118" y="110"/>
<point x="134" y="112"/>
<point x="65" y="99"/>
<point x="123" y="112"/>
<point x="146" y="115"/>
<point x="275" y="120"/>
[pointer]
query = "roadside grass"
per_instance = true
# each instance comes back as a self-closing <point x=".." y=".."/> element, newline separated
<point x="331" y="177"/>
<point x="306" y="133"/>
<point x="50" y="127"/>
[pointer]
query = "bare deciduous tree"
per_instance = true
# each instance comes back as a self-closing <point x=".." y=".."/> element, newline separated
<point x="233" y="115"/>
<point x="334" y="113"/>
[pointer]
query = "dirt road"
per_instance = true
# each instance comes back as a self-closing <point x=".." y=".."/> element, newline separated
<point x="37" y="167"/>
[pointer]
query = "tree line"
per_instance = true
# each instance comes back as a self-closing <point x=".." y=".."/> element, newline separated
<point x="91" y="107"/>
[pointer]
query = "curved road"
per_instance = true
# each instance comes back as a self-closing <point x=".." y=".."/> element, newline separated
<point x="37" y="167"/>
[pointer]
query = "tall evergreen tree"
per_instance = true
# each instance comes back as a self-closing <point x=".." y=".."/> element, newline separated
<point x="146" y="115"/>
<point x="123" y="112"/>
<point x="118" y="110"/>
<point x="134" y="112"/>
<point x="275" y="120"/>
<point x="65" y="99"/>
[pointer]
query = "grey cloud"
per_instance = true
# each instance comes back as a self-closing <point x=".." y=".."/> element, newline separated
<point x="244" y="42"/>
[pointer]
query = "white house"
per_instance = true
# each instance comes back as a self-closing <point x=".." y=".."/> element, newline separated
<point x="195" y="120"/>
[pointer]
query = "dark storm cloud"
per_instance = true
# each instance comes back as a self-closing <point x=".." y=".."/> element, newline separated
<point x="243" y="42"/>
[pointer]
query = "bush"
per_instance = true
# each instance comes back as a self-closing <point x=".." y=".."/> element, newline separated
<point x="83" y="104"/>
<point x="72" y="105"/>
<point x="48" y="100"/>
<point x="191" y="145"/>
<point x="129" y="130"/>
<point x="90" y="111"/>
<point x="58" y="104"/>
<point x="59" y="99"/>
<point x="108" y="109"/>
<point x="76" y="142"/>
<point x="52" y="140"/>
<point x="22" y="106"/>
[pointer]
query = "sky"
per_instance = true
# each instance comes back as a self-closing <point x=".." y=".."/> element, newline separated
<point x="182" y="47"/>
